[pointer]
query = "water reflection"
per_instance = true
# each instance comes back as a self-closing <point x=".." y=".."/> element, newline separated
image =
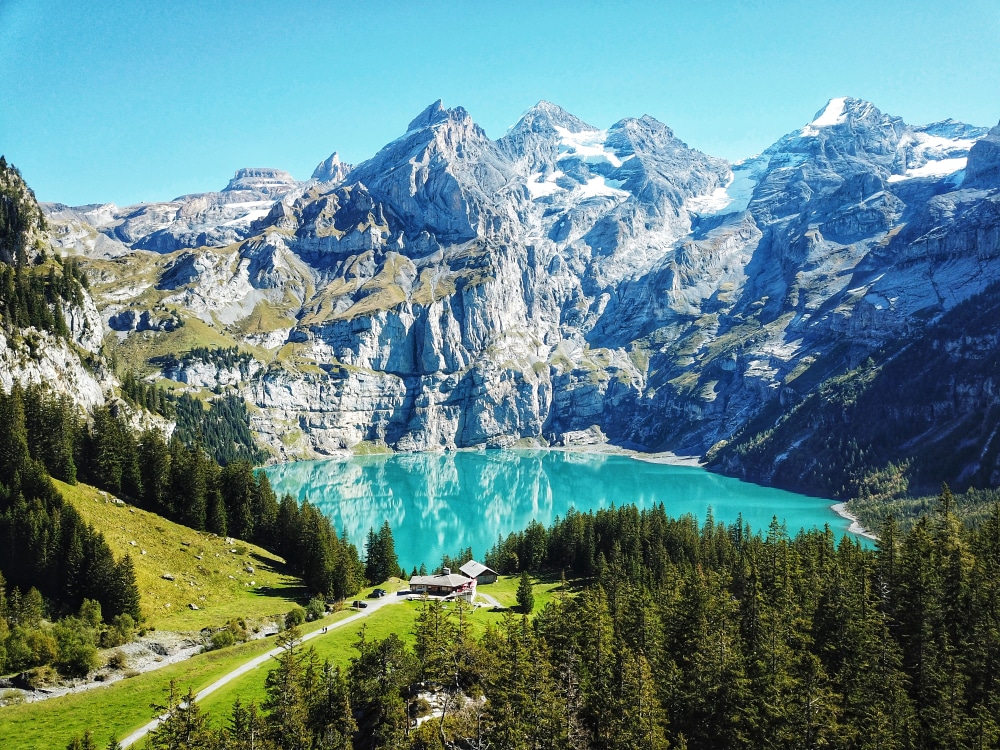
<point x="440" y="503"/>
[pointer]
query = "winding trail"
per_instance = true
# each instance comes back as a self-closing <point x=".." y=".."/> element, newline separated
<point x="373" y="606"/>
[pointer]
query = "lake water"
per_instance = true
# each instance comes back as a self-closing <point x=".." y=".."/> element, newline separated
<point x="441" y="503"/>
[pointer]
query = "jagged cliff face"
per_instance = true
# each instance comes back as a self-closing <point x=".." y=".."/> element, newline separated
<point x="557" y="284"/>
<point x="29" y="356"/>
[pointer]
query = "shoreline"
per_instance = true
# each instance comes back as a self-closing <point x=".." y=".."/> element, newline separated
<point x="655" y="457"/>
<point x="855" y="528"/>
<point x="609" y="449"/>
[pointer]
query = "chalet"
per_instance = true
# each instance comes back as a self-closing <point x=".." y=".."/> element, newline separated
<point x="447" y="584"/>
<point x="479" y="572"/>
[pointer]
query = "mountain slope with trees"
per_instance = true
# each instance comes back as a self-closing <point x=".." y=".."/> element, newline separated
<point x="675" y="635"/>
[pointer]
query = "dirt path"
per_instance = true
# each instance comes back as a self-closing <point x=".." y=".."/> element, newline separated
<point x="373" y="606"/>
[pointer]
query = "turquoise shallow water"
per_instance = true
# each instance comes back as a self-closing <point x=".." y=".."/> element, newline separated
<point x="441" y="503"/>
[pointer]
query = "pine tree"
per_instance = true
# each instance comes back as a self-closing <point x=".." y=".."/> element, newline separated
<point x="215" y="520"/>
<point x="14" y="454"/>
<point x="247" y="729"/>
<point x="525" y="594"/>
<point x="85" y="742"/>
<point x="124" y="596"/>
<point x="154" y="460"/>
<point x="373" y="557"/>
<point x="331" y="720"/>
<point x="378" y="676"/>
<point x="287" y="712"/>
<point x="183" y="724"/>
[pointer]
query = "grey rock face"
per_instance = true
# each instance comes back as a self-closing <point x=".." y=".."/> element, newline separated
<point x="566" y="281"/>
<point x="331" y="169"/>
<point x="443" y="176"/>
<point x="983" y="170"/>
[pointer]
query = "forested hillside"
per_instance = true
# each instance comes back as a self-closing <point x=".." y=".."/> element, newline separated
<point x="676" y="636"/>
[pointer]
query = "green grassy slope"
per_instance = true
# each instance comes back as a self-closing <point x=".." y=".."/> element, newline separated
<point x="205" y="570"/>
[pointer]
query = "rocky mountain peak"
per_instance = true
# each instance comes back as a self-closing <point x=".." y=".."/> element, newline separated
<point x="261" y="180"/>
<point x="436" y="114"/>
<point x="439" y="176"/>
<point x="331" y="169"/>
<point x="951" y="129"/>
<point x="983" y="167"/>
<point x="642" y="133"/>
<point x="543" y="135"/>
<point x="846" y="127"/>
<point x="545" y="117"/>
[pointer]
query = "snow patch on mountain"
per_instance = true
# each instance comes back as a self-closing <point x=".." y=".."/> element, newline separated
<point x="835" y="113"/>
<point x="589" y="145"/>
<point x="735" y="197"/>
<point x="938" y="168"/>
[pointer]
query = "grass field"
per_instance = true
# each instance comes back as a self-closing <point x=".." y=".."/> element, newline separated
<point x="505" y="590"/>
<point x="205" y="570"/>
<point x="124" y="706"/>
<point x="338" y="646"/>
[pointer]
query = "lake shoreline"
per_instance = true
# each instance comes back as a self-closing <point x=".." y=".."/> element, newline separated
<point x="667" y="458"/>
<point x="855" y="528"/>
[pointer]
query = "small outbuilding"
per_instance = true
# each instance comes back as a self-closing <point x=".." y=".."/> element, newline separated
<point x="447" y="584"/>
<point x="479" y="572"/>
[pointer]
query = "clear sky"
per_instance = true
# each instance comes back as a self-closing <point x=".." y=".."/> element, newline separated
<point x="125" y="101"/>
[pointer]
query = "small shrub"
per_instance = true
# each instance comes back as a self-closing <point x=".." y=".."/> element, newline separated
<point x="238" y="629"/>
<point x="222" y="639"/>
<point x="11" y="698"/>
<point x="119" y="632"/>
<point x="43" y="676"/>
<point x="316" y="608"/>
<point x="132" y="673"/>
<point x="295" y="616"/>
<point x="420" y="707"/>
<point x="117" y="660"/>
<point x="77" y="652"/>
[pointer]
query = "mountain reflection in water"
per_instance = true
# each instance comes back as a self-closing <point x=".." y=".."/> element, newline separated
<point x="441" y="503"/>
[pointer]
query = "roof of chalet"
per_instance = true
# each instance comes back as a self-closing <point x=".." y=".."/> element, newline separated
<point x="452" y="580"/>
<point x="475" y="569"/>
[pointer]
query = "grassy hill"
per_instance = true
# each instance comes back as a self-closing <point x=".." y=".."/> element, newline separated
<point x="177" y="566"/>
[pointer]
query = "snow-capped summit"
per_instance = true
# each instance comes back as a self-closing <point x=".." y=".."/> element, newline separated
<point x="834" y="113"/>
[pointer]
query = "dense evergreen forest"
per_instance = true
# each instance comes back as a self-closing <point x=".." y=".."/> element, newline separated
<point x="183" y="483"/>
<point x="50" y="558"/>
<point x="674" y="635"/>
<point x="221" y="427"/>
<point x="47" y="553"/>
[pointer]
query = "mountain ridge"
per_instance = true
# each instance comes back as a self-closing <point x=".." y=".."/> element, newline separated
<point x="563" y="280"/>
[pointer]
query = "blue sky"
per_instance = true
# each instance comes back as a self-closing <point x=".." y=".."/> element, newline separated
<point x="113" y="102"/>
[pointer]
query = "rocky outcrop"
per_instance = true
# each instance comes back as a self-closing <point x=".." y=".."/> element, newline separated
<point x="40" y="358"/>
<point x="331" y="169"/>
<point x="983" y="169"/>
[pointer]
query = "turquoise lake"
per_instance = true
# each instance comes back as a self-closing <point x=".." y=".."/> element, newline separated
<point x="441" y="503"/>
